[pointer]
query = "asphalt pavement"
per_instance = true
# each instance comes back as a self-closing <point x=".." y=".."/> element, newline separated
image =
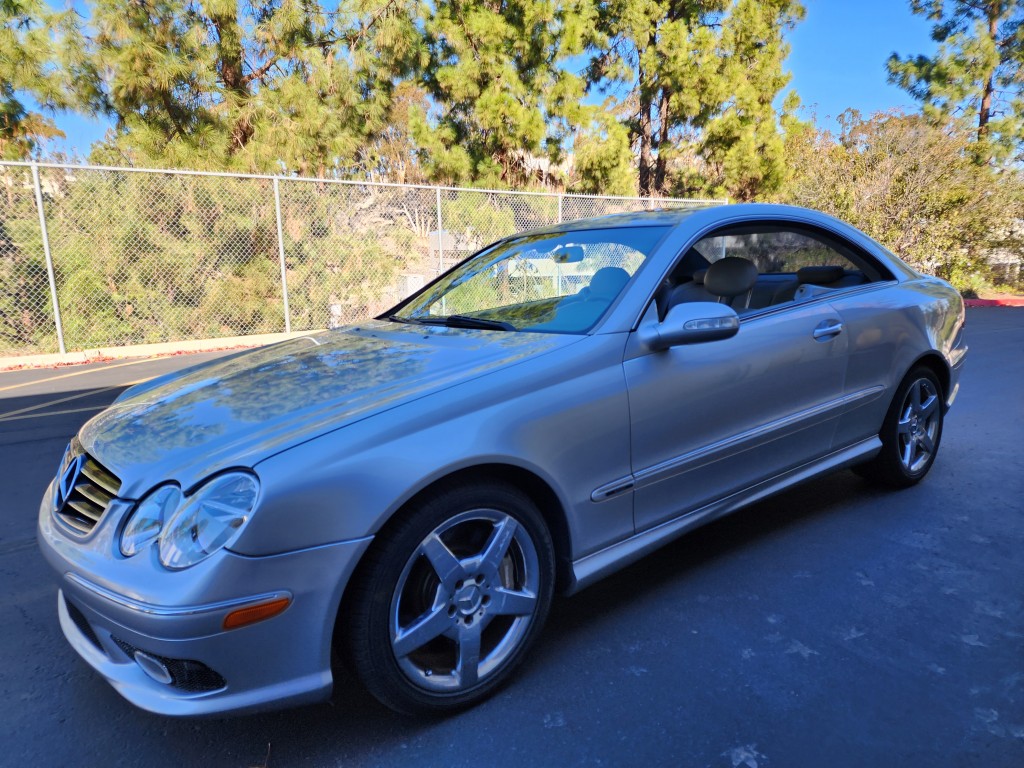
<point x="832" y="625"/>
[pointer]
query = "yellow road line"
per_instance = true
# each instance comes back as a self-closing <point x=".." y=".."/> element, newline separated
<point x="75" y="373"/>
<point x="52" y="413"/>
<point x="47" y="404"/>
<point x="10" y="415"/>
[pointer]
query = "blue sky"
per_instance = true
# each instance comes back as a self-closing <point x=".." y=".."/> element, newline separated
<point x="839" y="52"/>
<point x="837" y="61"/>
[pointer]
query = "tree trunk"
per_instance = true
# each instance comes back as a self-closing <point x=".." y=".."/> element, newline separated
<point x="985" y="113"/>
<point x="661" y="167"/>
<point x="231" y="68"/>
<point x="646" y="158"/>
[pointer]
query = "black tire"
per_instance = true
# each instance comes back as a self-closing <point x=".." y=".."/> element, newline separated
<point x="497" y="557"/>
<point x="910" y="434"/>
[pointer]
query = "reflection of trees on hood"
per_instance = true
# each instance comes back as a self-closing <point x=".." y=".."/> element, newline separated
<point x="305" y="382"/>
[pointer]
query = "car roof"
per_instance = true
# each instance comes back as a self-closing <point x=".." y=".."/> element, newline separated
<point x="706" y="213"/>
<point x="662" y="217"/>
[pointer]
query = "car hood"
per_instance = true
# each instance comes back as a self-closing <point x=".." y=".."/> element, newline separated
<point x="236" y="411"/>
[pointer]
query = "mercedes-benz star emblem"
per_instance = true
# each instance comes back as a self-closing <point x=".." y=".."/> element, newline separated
<point x="67" y="480"/>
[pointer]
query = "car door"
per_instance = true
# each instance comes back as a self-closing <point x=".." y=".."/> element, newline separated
<point x="713" y="418"/>
<point x="710" y="419"/>
<point x="881" y="324"/>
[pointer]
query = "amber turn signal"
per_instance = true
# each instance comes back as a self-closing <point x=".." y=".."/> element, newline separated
<point x="245" y="616"/>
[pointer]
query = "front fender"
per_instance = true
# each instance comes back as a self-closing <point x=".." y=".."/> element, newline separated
<point x="564" y="420"/>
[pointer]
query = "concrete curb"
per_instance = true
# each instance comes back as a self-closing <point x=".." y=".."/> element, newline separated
<point x="1009" y="301"/>
<point x="145" y="350"/>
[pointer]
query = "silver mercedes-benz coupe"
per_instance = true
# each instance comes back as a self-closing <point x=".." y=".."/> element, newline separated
<point x="406" y="495"/>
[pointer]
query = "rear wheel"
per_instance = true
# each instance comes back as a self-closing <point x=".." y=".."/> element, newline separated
<point x="450" y="598"/>
<point x="910" y="434"/>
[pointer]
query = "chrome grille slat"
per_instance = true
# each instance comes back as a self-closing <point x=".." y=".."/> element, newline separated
<point x="87" y="509"/>
<point x="101" y="477"/>
<point x="83" y="504"/>
<point x="96" y="495"/>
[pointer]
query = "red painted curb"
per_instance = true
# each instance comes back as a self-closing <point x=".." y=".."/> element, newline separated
<point x="1011" y="301"/>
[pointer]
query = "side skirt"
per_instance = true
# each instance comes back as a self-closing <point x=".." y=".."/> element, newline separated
<point x="596" y="566"/>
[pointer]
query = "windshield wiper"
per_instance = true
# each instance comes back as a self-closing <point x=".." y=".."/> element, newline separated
<point x="467" y="321"/>
<point x="409" y="320"/>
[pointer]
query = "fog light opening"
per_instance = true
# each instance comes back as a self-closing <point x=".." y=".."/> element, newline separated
<point x="245" y="616"/>
<point x="153" y="667"/>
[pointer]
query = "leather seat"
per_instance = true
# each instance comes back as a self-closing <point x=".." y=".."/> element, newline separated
<point x="730" y="279"/>
<point x="825" y="276"/>
<point x="691" y="291"/>
<point x="582" y="309"/>
<point x="727" y="281"/>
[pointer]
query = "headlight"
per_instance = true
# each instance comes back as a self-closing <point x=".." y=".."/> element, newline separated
<point x="148" y="519"/>
<point x="208" y="520"/>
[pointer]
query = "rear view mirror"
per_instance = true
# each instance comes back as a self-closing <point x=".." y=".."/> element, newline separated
<point x="567" y="254"/>
<point x="691" y="323"/>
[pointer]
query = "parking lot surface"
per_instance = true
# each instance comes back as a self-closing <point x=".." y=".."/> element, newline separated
<point x="832" y="625"/>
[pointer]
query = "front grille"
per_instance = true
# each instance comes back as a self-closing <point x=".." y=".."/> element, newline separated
<point x="85" y="489"/>
<point x="186" y="675"/>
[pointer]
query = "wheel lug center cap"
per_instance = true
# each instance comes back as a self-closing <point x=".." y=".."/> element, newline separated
<point x="468" y="599"/>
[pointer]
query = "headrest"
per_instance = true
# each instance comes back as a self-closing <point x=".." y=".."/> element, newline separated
<point x="699" y="275"/>
<point x="819" y="275"/>
<point x="730" y="277"/>
<point x="607" y="282"/>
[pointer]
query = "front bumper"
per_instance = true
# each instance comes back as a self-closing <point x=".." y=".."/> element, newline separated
<point x="110" y="607"/>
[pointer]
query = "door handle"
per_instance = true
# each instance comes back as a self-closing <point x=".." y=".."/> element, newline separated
<point x="828" y="330"/>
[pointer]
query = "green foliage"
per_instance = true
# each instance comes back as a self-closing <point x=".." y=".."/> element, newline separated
<point x="31" y="40"/>
<point x="702" y="77"/>
<point x="496" y="73"/>
<point x="282" y="85"/>
<point x="742" y="144"/>
<point x="143" y="258"/>
<point x="912" y="186"/>
<point x="26" y="318"/>
<point x="340" y="250"/>
<point x="146" y="258"/>
<point x="604" y="162"/>
<point x="976" y="75"/>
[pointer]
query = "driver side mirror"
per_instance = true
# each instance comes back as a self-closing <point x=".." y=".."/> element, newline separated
<point x="690" y="323"/>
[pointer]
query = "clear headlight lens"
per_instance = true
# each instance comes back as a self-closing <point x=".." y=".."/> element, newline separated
<point x="208" y="520"/>
<point x="148" y="518"/>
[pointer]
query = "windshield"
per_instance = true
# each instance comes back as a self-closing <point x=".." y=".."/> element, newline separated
<point x="555" y="283"/>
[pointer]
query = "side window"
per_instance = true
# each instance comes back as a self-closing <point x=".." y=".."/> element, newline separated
<point x="774" y="252"/>
<point x="792" y="264"/>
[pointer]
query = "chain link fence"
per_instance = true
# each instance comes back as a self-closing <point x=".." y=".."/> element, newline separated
<point x="104" y="257"/>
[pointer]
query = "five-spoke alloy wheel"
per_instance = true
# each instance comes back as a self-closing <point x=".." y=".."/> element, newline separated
<point x="450" y="597"/>
<point x="918" y="425"/>
<point x="911" y="432"/>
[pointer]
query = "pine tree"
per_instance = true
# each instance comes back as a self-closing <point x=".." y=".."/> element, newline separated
<point x="742" y="144"/>
<point x="496" y="74"/>
<point x="603" y="159"/>
<point x="280" y="85"/>
<point x="977" y="74"/>
<point x="30" y="34"/>
<point x="702" y="75"/>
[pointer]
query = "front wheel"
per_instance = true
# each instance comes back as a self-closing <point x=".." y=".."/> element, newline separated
<point x="910" y="433"/>
<point x="450" y="599"/>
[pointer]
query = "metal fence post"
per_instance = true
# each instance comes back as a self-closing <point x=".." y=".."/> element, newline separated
<point x="440" y="233"/>
<point x="280" y="254"/>
<point x="560" y="198"/>
<point x="49" y="259"/>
